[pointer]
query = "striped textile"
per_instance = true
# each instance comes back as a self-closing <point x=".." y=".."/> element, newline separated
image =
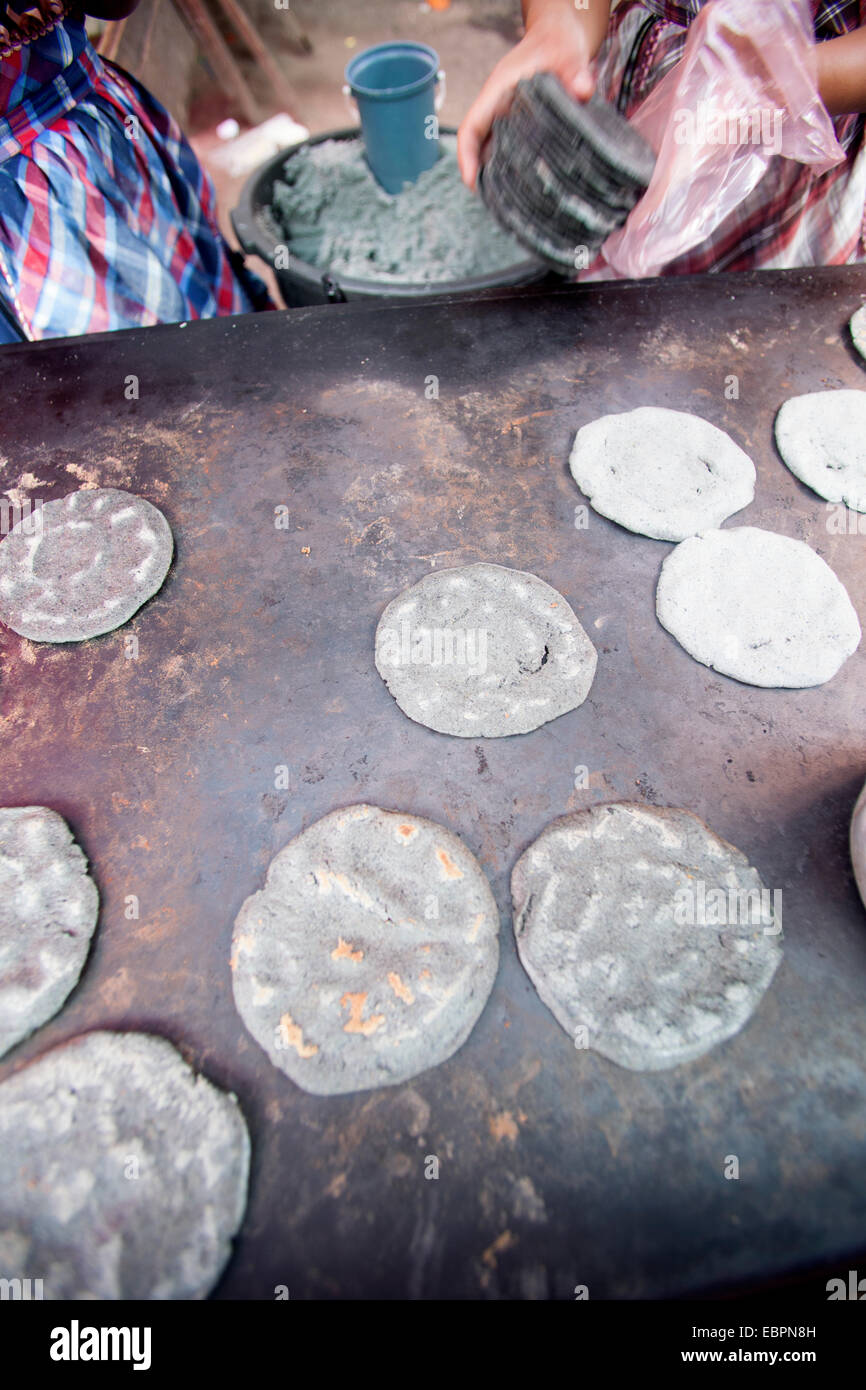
<point x="793" y="217"/>
<point x="829" y="20"/>
<point x="107" y="219"/>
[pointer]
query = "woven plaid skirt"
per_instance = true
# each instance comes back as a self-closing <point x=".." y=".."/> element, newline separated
<point x="107" y="219"/>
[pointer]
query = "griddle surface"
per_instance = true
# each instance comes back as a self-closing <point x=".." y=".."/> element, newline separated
<point x="556" y="1167"/>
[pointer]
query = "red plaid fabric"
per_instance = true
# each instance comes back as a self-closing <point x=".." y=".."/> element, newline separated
<point x="793" y="217"/>
<point x="107" y="219"/>
<point x="830" y="19"/>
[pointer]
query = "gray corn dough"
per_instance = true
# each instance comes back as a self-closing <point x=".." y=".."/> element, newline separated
<point x="48" y="911"/>
<point x="370" y="952"/>
<point x="858" y="844"/>
<point x="662" y="473"/>
<point x="331" y="210"/>
<point x="525" y="657"/>
<point x="822" y="439"/>
<point x="857" y="325"/>
<point x="93" y="559"/>
<point x="757" y="606"/>
<point x="613" y="931"/>
<point x="123" y="1175"/>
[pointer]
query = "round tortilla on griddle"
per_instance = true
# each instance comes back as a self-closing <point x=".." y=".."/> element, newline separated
<point x="83" y="565"/>
<point x="822" y="439"/>
<point x="762" y="608"/>
<point x="662" y="473"/>
<point x="370" y="952"/>
<point x="123" y="1175"/>
<point x="646" y="935"/>
<point x="483" y="652"/>
<point x="857" y="325"/>
<point x="48" y="911"/>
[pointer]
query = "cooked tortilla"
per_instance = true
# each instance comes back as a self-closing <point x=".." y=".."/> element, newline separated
<point x="370" y="952"/>
<point x="82" y="566"/>
<point x="648" y="937"/>
<point x="757" y="606"/>
<point x="48" y="911"/>
<point x="483" y="652"/>
<point x="661" y="473"/>
<point x="123" y="1175"/>
<point x="822" y="439"/>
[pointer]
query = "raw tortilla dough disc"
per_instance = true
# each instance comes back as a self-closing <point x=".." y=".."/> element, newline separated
<point x="370" y="952"/>
<point x="95" y="557"/>
<point x="483" y="652"/>
<point x="662" y="473"/>
<point x="858" y="843"/>
<point x="822" y="438"/>
<point x="857" y="326"/>
<point x="629" y="923"/>
<point x="48" y="911"/>
<point x="757" y="606"/>
<point x="123" y="1175"/>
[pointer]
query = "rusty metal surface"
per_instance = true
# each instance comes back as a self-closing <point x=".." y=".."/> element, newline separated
<point x="556" y="1167"/>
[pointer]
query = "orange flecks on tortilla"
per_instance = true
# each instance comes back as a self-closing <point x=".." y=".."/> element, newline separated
<point x="449" y="868"/>
<point x="343" y="951"/>
<point x="473" y="930"/>
<point x="294" y="1037"/>
<point x="241" y="943"/>
<point x="356" y="1024"/>
<point x="402" y="991"/>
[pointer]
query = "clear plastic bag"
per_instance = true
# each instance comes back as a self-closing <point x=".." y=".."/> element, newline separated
<point x="748" y="70"/>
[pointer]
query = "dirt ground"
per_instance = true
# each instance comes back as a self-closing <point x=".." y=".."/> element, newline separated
<point x="469" y="36"/>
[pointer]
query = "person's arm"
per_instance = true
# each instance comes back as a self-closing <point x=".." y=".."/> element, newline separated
<point x="560" y="38"/>
<point x="842" y="73"/>
<point x="595" y="16"/>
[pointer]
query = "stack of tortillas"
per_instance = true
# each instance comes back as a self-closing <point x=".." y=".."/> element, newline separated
<point x="561" y="175"/>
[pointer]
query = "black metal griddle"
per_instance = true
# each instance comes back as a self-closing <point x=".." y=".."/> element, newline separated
<point x="556" y="1168"/>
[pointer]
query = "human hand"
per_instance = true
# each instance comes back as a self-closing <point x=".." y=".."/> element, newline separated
<point x="561" y="40"/>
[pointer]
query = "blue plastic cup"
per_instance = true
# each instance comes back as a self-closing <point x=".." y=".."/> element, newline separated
<point x="394" y="87"/>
